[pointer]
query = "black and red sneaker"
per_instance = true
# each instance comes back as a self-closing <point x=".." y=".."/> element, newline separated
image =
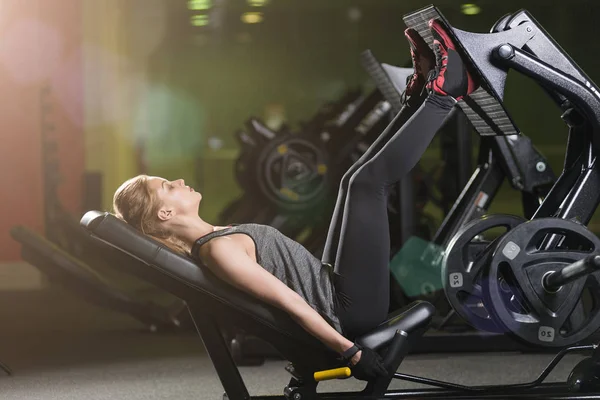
<point x="423" y="61"/>
<point x="450" y="76"/>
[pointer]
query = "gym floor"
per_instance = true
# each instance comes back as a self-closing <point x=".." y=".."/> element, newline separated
<point x="62" y="348"/>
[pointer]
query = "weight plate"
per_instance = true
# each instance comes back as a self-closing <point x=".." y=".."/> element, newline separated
<point x="465" y="259"/>
<point x="514" y="287"/>
<point x="293" y="173"/>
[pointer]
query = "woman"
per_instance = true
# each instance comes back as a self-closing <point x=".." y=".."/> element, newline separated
<point x="335" y="304"/>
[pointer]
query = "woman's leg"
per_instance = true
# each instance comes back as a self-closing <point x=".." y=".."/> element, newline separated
<point x="423" y="61"/>
<point x="362" y="257"/>
<point x="364" y="244"/>
<point x="335" y="226"/>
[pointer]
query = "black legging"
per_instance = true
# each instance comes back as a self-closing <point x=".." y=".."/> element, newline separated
<point x="358" y="240"/>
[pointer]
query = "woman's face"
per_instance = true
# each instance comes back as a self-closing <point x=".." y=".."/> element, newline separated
<point x="176" y="198"/>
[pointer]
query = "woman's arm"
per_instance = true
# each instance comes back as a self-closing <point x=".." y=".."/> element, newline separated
<point x="231" y="263"/>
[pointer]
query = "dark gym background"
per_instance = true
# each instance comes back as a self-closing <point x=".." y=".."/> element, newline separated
<point x="113" y="88"/>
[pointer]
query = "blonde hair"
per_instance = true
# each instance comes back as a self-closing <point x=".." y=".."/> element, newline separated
<point x="136" y="204"/>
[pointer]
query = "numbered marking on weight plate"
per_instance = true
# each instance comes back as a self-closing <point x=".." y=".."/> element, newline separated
<point x="546" y="334"/>
<point x="456" y="280"/>
<point x="511" y="250"/>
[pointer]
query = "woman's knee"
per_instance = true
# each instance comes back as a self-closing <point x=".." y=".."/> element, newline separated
<point x="365" y="178"/>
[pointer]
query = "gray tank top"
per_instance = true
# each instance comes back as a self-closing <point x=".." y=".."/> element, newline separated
<point x="292" y="264"/>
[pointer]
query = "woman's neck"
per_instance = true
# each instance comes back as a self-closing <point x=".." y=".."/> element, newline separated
<point x="192" y="228"/>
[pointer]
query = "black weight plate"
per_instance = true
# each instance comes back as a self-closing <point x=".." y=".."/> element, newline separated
<point x="465" y="259"/>
<point x="293" y="173"/>
<point x="522" y="305"/>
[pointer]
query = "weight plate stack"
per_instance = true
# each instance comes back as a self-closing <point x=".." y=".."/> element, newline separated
<point x="464" y="266"/>
<point x="516" y="291"/>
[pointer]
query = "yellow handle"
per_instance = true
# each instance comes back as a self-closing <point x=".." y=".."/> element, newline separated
<point x="337" y="373"/>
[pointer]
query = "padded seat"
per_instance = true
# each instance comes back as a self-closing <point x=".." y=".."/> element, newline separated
<point x="412" y="319"/>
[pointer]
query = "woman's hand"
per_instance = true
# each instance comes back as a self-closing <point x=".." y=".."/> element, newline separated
<point x="367" y="365"/>
<point x="356" y="358"/>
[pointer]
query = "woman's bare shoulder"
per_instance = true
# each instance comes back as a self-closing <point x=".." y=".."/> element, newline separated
<point x="220" y="244"/>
